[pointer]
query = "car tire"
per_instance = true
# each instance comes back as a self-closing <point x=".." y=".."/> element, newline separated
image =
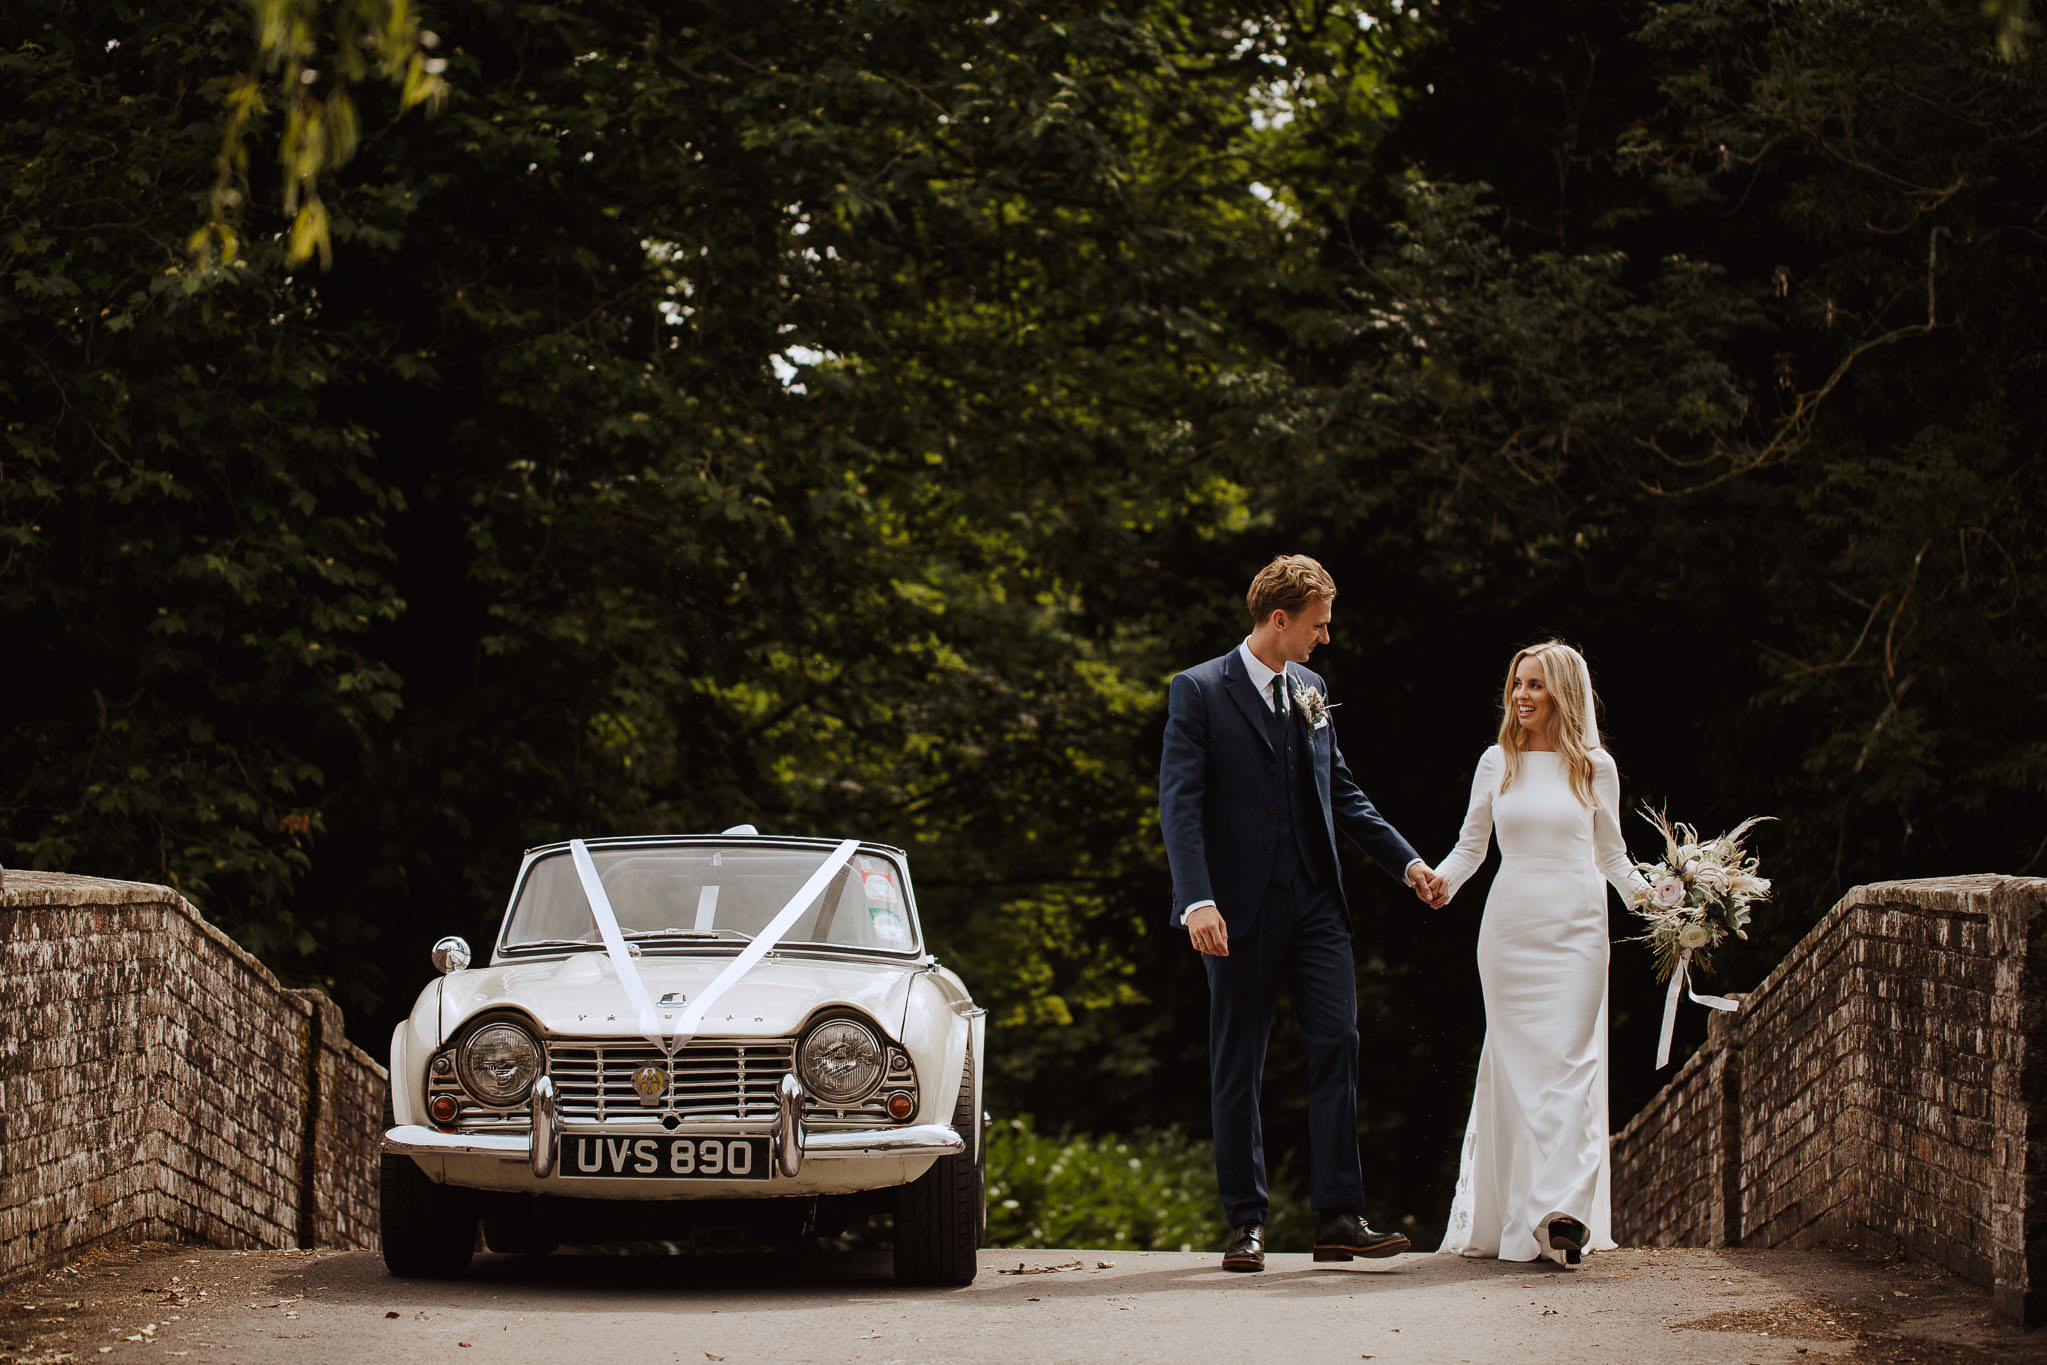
<point x="426" y="1230"/>
<point x="939" y="1215"/>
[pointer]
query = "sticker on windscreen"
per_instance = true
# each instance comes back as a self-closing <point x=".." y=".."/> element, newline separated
<point x="879" y="890"/>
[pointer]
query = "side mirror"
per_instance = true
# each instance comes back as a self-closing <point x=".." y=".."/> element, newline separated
<point x="451" y="954"/>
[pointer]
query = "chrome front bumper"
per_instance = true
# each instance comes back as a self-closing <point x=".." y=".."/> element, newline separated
<point x="791" y="1143"/>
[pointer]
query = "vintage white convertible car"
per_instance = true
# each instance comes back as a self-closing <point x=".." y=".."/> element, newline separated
<point x="690" y="1037"/>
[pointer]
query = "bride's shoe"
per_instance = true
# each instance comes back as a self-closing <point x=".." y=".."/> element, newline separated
<point x="1568" y="1235"/>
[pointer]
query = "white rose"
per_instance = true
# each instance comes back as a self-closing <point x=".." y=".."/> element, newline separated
<point x="1670" y="893"/>
<point x="1712" y="876"/>
<point x="1694" y="936"/>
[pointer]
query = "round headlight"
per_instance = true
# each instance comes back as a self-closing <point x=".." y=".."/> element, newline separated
<point x="499" y="1064"/>
<point x="840" y="1061"/>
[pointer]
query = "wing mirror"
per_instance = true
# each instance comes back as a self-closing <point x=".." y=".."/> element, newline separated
<point x="451" y="954"/>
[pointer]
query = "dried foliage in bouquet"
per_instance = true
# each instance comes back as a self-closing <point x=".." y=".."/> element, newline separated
<point x="1691" y="901"/>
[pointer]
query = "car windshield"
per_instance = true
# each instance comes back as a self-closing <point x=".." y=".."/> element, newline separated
<point x="697" y="895"/>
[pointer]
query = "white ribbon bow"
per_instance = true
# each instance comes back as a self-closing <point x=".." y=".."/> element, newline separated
<point x="629" y="972"/>
<point x="1680" y="980"/>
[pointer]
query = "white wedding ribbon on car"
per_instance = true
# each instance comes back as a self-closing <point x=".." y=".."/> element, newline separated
<point x="1680" y="980"/>
<point x="763" y="943"/>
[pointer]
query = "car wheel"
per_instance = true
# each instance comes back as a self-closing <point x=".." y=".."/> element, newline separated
<point x="939" y="1215"/>
<point x="426" y="1230"/>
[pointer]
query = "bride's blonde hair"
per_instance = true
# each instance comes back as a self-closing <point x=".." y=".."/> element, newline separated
<point x="1573" y="727"/>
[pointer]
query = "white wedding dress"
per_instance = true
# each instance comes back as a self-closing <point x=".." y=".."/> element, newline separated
<point x="1536" y="1143"/>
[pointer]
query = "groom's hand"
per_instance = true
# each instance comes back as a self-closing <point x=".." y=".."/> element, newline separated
<point x="1207" y="932"/>
<point x="1430" y="885"/>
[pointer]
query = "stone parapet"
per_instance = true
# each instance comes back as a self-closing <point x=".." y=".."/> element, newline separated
<point x="157" y="1081"/>
<point x="1880" y="1084"/>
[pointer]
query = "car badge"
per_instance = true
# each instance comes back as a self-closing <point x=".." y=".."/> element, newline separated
<point x="674" y="998"/>
<point x="648" y="1083"/>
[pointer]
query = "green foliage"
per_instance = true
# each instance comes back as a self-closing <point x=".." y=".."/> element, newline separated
<point x="1149" y="1190"/>
<point x="321" y="128"/>
<point x="850" y="426"/>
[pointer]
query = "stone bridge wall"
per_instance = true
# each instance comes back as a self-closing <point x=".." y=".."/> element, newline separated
<point x="156" y="1081"/>
<point x="1879" y="1085"/>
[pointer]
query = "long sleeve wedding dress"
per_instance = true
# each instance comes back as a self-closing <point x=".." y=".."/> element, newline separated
<point x="1536" y="1144"/>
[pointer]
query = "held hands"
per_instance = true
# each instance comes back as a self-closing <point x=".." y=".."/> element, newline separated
<point x="1431" y="886"/>
<point x="1207" y="932"/>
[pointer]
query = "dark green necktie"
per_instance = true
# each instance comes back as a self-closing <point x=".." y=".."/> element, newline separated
<point x="1279" y="697"/>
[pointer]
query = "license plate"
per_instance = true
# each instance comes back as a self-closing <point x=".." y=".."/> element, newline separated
<point x="665" y="1158"/>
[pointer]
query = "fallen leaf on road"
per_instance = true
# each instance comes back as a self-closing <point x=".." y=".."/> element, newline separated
<point x="1899" y="1293"/>
<point x="461" y="1343"/>
<point x="1105" y="1265"/>
<point x="709" y="1356"/>
<point x="392" y="1314"/>
<point x="1022" y="1269"/>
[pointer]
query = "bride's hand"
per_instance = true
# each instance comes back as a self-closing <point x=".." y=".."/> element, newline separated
<point x="1431" y="886"/>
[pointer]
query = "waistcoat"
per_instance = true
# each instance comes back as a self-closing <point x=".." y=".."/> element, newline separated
<point x="1297" y="849"/>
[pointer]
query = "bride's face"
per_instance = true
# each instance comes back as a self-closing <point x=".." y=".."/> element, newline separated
<point x="1530" y="700"/>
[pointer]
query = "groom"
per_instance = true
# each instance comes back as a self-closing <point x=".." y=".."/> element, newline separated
<point x="1252" y="789"/>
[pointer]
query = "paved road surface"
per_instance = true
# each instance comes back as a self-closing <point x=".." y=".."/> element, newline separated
<point x="196" y="1306"/>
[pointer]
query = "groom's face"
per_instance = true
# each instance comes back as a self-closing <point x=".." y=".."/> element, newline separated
<point x="1301" y="631"/>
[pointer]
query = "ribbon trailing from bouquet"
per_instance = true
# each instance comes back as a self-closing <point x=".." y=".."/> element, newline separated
<point x="648" y="1018"/>
<point x="1680" y="980"/>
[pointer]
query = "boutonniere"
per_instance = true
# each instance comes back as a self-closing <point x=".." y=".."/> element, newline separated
<point x="1311" y="703"/>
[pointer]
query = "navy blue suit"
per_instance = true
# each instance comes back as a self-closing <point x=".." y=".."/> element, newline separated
<point x="1249" y="808"/>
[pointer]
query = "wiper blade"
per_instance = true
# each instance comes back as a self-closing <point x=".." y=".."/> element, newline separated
<point x="552" y="943"/>
<point x="642" y="935"/>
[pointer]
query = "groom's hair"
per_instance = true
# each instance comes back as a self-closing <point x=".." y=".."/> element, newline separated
<point x="1289" y="583"/>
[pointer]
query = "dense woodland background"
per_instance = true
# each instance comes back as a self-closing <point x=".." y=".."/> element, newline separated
<point x="847" y="417"/>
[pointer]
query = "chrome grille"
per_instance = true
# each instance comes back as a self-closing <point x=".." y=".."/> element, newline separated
<point x="713" y="1079"/>
<point x="707" y="1078"/>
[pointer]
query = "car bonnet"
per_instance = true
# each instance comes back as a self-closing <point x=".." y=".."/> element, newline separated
<point x="581" y="996"/>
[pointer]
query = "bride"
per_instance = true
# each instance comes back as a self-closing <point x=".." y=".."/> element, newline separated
<point x="1535" y="1180"/>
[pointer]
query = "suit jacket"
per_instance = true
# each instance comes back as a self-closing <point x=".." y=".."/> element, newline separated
<point x="1220" y="789"/>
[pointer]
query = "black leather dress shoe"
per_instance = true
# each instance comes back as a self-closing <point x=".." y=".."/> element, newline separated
<point x="1246" y="1250"/>
<point x="1347" y="1235"/>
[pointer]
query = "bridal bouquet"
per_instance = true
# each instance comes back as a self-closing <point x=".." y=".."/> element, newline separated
<point x="1697" y="895"/>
